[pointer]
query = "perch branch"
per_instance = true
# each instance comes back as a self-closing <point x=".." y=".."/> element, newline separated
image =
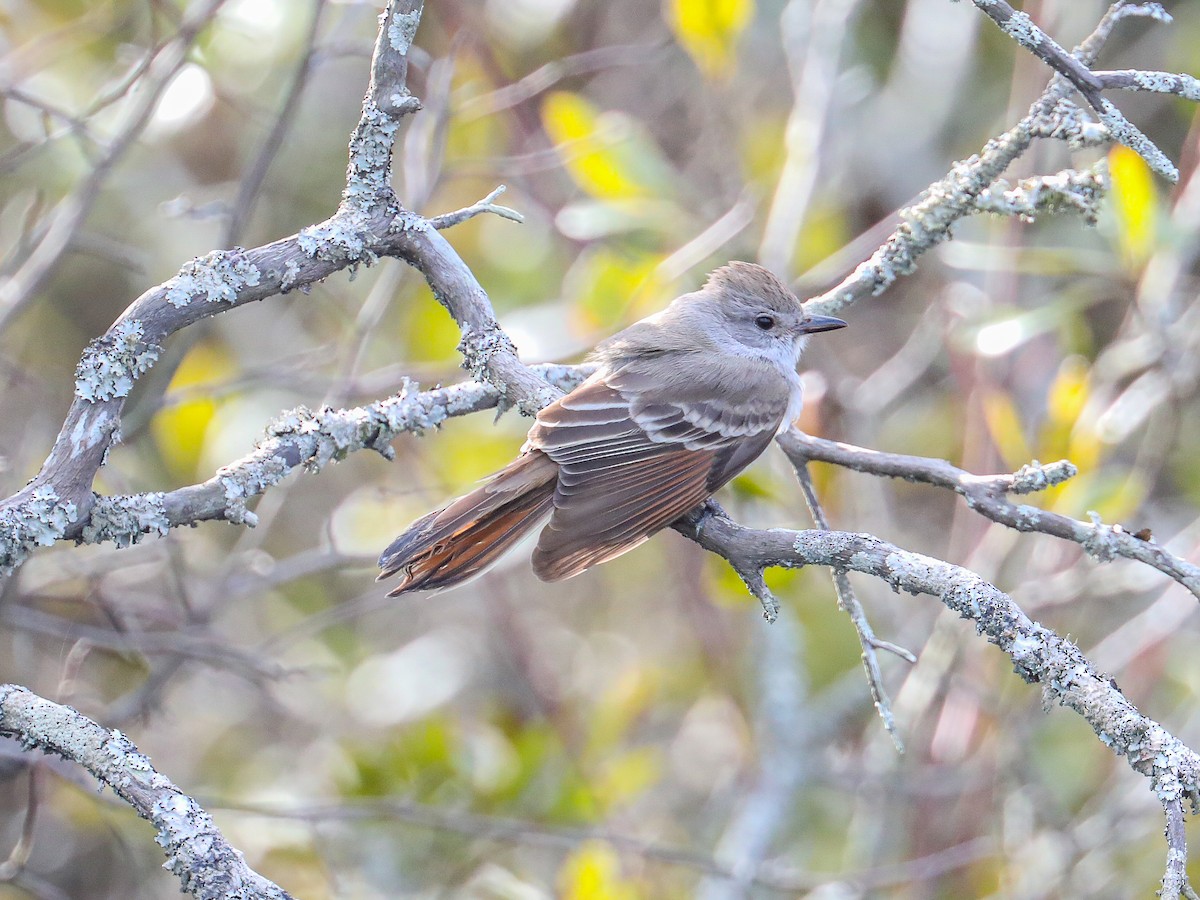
<point x="1038" y="654"/>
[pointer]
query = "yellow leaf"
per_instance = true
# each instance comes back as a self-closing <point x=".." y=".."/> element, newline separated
<point x="1004" y="425"/>
<point x="429" y="335"/>
<point x="625" y="776"/>
<point x="1066" y="433"/>
<point x="1135" y="205"/>
<point x="587" y="141"/>
<point x="610" y="289"/>
<point x="709" y="31"/>
<point x="180" y="426"/>
<point x="625" y="699"/>
<point x="1068" y="392"/>
<point x="593" y="872"/>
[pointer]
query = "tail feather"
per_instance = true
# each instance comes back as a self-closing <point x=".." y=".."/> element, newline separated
<point x="455" y="543"/>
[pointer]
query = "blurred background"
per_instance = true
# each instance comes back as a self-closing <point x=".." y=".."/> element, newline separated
<point x="638" y="730"/>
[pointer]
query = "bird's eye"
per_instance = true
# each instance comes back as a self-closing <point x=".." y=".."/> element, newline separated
<point x="766" y="323"/>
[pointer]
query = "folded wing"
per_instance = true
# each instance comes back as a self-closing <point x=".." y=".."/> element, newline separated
<point x="634" y="455"/>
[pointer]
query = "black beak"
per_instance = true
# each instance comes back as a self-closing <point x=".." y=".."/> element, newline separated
<point x="814" y="324"/>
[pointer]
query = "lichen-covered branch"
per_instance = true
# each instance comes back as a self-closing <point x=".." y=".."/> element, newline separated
<point x="1022" y="29"/>
<point x="987" y="495"/>
<point x="1039" y="655"/>
<point x="197" y="853"/>
<point x="299" y="438"/>
<point x="971" y="185"/>
<point x="369" y="224"/>
<point x="1062" y="192"/>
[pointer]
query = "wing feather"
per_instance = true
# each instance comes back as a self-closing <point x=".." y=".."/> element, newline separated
<point x="631" y="460"/>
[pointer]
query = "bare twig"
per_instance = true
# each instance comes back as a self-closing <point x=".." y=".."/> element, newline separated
<point x="17" y="859"/>
<point x="1175" y="880"/>
<point x="486" y="205"/>
<point x="1021" y="28"/>
<point x="848" y="603"/>
<point x="986" y="495"/>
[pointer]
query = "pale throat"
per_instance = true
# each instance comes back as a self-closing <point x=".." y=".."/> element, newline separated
<point x="784" y="356"/>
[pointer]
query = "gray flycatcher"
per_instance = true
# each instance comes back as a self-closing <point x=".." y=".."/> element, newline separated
<point x="681" y="402"/>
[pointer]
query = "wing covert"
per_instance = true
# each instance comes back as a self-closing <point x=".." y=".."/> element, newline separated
<point x="633" y="461"/>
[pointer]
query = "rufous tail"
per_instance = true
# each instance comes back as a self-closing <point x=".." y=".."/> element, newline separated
<point x="456" y="543"/>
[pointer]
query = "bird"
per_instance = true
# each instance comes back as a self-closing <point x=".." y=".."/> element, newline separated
<point x="680" y="403"/>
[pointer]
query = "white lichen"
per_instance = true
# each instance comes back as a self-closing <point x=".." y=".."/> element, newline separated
<point x="218" y="277"/>
<point x="402" y="30"/>
<point x="1103" y="543"/>
<point x="125" y="520"/>
<point x="1065" y="191"/>
<point x="1125" y="132"/>
<point x="112" y="362"/>
<point x="370" y="158"/>
<point x="1035" y="477"/>
<point x="291" y="273"/>
<point x="339" y="239"/>
<point x="38" y="522"/>
<point x="248" y="478"/>
<point x="1021" y="28"/>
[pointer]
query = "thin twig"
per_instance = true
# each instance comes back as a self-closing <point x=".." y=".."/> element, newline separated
<point x="1021" y="28"/>
<point x="848" y="603"/>
<point x="986" y="494"/>
<point x="1175" y="881"/>
<point x="486" y="205"/>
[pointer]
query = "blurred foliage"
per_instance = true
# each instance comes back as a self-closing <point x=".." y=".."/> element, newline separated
<point x="604" y="737"/>
<point x="709" y="29"/>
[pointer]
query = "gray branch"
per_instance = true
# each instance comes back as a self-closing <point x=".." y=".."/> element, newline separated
<point x="987" y="495"/>
<point x="197" y="853"/>
<point x="370" y="223"/>
<point x="1039" y="655"/>
<point x="971" y="185"/>
<point x="1175" y="882"/>
<point x="1022" y="29"/>
<point x="299" y="438"/>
